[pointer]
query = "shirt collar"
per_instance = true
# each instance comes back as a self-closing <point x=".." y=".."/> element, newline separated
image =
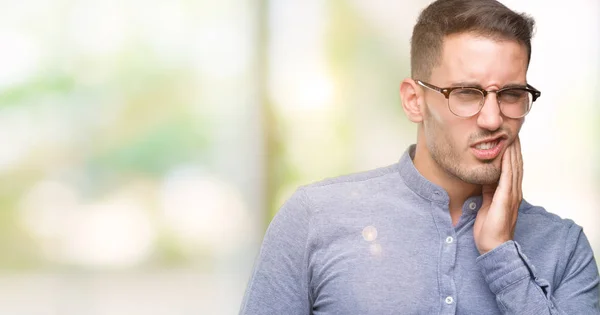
<point x="416" y="182"/>
<point x="426" y="189"/>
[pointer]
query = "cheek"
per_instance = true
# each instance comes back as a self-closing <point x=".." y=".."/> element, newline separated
<point x="434" y="116"/>
<point x="435" y="122"/>
<point x="445" y="128"/>
<point x="514" y="126"/>
<point x="459" y="136"/>
<point x="520" y="124"/>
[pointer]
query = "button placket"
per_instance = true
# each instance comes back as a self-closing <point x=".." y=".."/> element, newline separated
<point x="449" y="300"/>
<point x="448" y="285"/>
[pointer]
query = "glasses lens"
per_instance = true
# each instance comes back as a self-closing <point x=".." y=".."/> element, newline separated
<point x="515" y="103"/>
<point x="465" y="102"/>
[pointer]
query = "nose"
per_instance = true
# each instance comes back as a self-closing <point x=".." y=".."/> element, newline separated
<point x="490" y="117"/>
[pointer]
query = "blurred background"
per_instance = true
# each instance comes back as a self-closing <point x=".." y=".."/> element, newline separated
<point x="147" y="144"/>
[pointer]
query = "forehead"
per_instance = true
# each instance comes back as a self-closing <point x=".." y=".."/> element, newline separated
<point x="468" y="57"/>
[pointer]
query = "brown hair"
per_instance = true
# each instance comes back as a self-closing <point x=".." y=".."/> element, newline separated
<point x="441" y="18"/>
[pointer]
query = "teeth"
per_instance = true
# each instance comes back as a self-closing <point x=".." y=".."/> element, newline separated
<point x="486" y="145"/>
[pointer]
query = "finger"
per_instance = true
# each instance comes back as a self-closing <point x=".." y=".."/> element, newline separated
<point x="520" y="167"/>
<point x="502" y="196"/>
<point x="515" y="169"/>
<point x="506" y="167"/>
<point x="504" y="184"/>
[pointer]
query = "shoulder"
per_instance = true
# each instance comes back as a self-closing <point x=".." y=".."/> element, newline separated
<point x="344" y="193"/>
<point x="537" y="222"/>
<point x="357" y="186"/>
<point x="356" y="178"/>
<point x="554" y="243"/>
<point x="546" y="234"/>
<point x="541" y="217"/>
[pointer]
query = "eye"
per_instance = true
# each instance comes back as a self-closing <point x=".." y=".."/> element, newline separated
<point x="466" y="95"/>
<point x="514" y="96"/>
<point x="467" y="92"/>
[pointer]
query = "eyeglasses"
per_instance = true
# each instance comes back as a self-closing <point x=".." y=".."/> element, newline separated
<point x="463" y="101"/>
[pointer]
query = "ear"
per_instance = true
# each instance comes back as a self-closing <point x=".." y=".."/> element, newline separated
<point x="411" y="97"/>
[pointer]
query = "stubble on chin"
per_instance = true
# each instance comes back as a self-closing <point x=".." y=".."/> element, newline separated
<point x="486" y="173"/>
<point x="450" y="160"/>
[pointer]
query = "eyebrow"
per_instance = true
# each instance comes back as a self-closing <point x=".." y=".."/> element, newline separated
<point x="514" y="85"/>
<point x="475" y="84"/>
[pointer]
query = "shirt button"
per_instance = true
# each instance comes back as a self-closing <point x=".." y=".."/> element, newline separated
<point x="449" y="300"/>
<point x="472" y="206"/>
<point x="449" y="239"/>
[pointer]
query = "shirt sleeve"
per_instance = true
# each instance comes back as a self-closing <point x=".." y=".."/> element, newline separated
<point x="512" y="278"/>
<point x="279" y="282"/>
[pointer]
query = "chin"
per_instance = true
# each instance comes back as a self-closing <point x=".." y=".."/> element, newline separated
<point x="486" y="174"/>
<point x="497" y="162"/>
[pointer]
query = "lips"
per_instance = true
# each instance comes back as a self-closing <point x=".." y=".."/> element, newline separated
<point x="487" y="145"/>
<point x="488" y="149"/>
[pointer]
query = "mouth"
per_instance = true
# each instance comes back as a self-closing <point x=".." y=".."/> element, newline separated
<point x="488" y="149"/>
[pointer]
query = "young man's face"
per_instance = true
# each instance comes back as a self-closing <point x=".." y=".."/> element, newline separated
<point x="471" y="60"/>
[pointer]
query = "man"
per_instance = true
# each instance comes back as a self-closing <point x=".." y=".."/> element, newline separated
<point x="445" y="230"/>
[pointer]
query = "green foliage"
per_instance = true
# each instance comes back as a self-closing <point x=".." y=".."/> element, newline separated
<point x="156" y="150"/>
<point x="43" y="85"/>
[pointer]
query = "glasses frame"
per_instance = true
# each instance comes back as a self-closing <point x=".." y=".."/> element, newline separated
<point x="446" y="92"/>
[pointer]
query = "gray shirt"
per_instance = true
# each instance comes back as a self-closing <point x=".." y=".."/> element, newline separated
<point x="382" y="242"/>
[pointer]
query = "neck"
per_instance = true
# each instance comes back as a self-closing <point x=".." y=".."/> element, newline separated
<point x="458" y="190"/>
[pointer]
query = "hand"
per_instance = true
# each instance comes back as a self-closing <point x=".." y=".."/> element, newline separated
<point x="496" y="220"/>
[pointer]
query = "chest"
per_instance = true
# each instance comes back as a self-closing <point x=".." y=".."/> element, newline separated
<point x="379" y="268"/>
